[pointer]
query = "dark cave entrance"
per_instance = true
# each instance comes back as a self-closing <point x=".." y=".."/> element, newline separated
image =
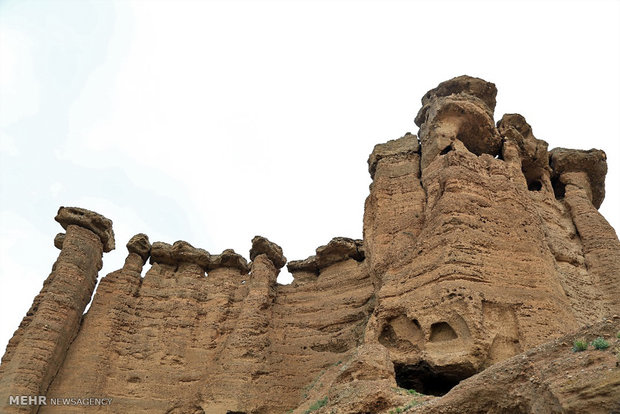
<point x="559" y="188"/>
<point x="534" y="185"/>
<point x="427" y="380"/>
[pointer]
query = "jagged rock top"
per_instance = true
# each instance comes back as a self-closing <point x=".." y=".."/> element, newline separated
<point x="593" y="162"/>
<point x="460" y="88"/>
<point x="407" y="144"/>
<point x="516" y="128"/>
<point x="183" y="252"/>
<point x="516" y="121"/>
<point x="458" y="111"/>
<point x="140" y="245"/>
<point x="464" y="85"/>
<point x="228" y="258"/>
<point x="90" y="220"/>
<point x="337" y="250"/>
<point x="532" y="151"/>
<point x="261" y="245"/>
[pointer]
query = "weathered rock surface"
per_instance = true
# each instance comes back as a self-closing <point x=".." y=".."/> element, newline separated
<point x="484" y="257"/>
<point x="550" y="378"/>
<point x="458" y="111"/>
<point x="394" y="210"/>
<point x="90" y="220"/>
<point x="59" y="240"/>
<point x="140" y="245"/>
<point x="521" y="147"/>
<point x="402" y="147"/>
<point x="179" y="252"/>
<point x="462" y="85"/>
<point x="337" y="250"/>
<point x="228" y="258"/>
<point x="593" y="163"/>
<point x="38" y="348"/>
<point x="261" y="245"/>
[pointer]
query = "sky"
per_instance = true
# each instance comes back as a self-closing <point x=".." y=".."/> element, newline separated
<point x="213" y="122"/>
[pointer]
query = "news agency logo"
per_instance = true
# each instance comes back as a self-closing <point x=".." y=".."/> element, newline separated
<point x="25" y="400"/>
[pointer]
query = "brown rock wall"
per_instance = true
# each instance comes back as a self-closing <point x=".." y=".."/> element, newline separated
<point x="479" y="245"/>
<point x="394" y="209"/>
<point x="179" y="339"/>
<point x="462" y="268"/>
<point x="550" y="378"/>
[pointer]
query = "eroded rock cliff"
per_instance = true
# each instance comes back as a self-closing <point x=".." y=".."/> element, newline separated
<point x="484" y="256"/>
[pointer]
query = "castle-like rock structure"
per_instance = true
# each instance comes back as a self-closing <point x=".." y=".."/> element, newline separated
<point x="479" y="245"/>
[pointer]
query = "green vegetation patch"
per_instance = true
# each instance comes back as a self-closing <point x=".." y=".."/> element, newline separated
<point x="407" y="407"/>
<point x="580" y="345"/>
<point x="600" y="343"/>
<point x="317" y="404"/>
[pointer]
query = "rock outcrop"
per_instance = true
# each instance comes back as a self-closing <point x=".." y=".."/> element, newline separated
<point x="39" y="346"/>
<point x="550" y="378"/>
<point x="484" y="258"/>
<point x="92" y="221"/>
<point x="260" y="245"/>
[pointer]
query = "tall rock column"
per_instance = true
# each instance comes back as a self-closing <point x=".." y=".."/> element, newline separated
<point x="580" y="181"/>
<point x="103" y="333"/>
<point x="38" y="347"/>
<point x="237" y="384"/>
<point x="394" y="210"/>
<point x="476" y="282"/>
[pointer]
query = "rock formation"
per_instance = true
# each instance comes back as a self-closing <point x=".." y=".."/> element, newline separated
<point x="484" y="257"/>
<point x="39" y="347"/>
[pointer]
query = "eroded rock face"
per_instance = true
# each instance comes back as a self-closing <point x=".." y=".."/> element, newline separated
<point x="140" y="245"/>
<point x="481" y="248"/>
<point x="228" y="258"/>
<point x="337" y="250"/>
<point x="462" y="85"/>
<point x="523" y="149"/>
<point x="459" y="112"/>
<point x="592" y="162"/>
<point x="260" y="245"/>
<point x="39" y="346"/>
<point x="550" y="378"/>
<point x="90" y="220"/>
<point x="59" y="240"/>
<point x="403" y="147"/>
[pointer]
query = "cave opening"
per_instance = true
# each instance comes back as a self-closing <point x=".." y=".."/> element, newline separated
<point x="534" y="185"/>
<point x="388" y="336"/>
<point x="442" y="331"/>
<point x="559" y="188"/>
<point x="428" y="380"/>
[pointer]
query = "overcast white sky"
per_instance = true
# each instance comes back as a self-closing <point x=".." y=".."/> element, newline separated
<point x="212" y="122"/>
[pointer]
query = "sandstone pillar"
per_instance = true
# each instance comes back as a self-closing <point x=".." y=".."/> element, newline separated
<point x="242" y="364"/>
<point x="103" y="327"/>
<point x="394" y="210"/>
<point x="580" y="179"/>
<point x="38" y="347"/>
<point x="476" y="283"/>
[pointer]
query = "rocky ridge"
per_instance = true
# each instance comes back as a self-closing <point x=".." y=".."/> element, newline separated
<point x="484" y="258"/>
